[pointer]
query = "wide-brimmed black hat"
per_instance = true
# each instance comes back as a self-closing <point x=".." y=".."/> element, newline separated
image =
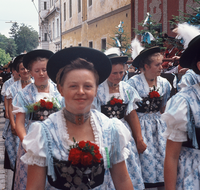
<point x="143" y="54"/>
<point x="43" y="53"/>
<point x="64" y="57"/>
<point x="190" y="52"/>
<point x="117" y="59"/>
<point x="17" y="59"/>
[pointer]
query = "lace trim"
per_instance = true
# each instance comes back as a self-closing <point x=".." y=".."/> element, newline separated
<point x="30" y="159"/>
<point x="63" y="130"/>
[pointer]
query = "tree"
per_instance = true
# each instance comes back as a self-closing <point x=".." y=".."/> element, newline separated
<point x="8" y="44"/>
<point x="121" y="40"/>
<point x="4" y="57"/>
<point x="25" y="37"/>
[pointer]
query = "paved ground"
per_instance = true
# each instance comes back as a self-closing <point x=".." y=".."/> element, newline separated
<point x="5" y="175"/>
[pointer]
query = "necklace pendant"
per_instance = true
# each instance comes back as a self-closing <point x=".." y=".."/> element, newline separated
<point x="79" y="120"/>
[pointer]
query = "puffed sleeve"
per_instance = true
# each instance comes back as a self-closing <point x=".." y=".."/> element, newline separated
<point x="19" y="104"/>
<point x="34" y="145"/>
<point x="133" y="98"/>
<point x="176" y="118"/>
<point x="8" y="93"/>
<point x="120" y="138"/>
<point x="3" y="90"/>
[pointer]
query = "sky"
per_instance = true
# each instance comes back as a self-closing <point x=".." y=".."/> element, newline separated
<point x="20" y="11"/>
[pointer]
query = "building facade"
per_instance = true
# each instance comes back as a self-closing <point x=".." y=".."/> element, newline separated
<point x="50" y="24"/>
<point x="92" y="23"/>
<point x="162" y="11"/>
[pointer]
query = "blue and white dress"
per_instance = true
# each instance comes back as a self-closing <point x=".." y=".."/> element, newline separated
<point x="50" y="139"/>
<point x="182" y="117"/>
<point x="29" y="95"/>
<point x="12" y="141"/>
<point x="152" y="126"/>
<point x="129" y="96"/>
<point x="188" y="79"/>
<point x="3" y="93"/>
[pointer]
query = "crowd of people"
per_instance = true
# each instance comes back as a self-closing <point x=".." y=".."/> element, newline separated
<point x="77" y="120"/>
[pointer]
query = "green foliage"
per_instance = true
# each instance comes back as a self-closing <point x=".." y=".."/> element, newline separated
<point x="155" y="29"/>
<point x="25" y="37"/>
<point x="8" y="44"/>
<point x="123" y="39"/>
<point x="4" y="57"/>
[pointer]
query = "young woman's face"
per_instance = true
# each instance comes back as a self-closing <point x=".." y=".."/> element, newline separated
<point x="39" y="72"/>
<point x="155" y="67"/>
<point x="23" y="72"/>
<point x="15" y="74"/>
<point x="117" y="73"/>
<point x="79" y="90"/>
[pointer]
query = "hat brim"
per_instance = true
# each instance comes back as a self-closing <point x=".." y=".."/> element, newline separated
<point x="16" y="60"/>
<point x="190" y="53"/>
<point x="64" y="57"/>
<point x="118" y="59"/>
<point x="143" y="54"/>
<point x="36" y="53"/>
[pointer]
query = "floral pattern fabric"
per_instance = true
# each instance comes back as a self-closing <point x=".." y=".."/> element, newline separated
<point x="129" y="96"/>
<point x="51" y="139"/>
<point x="152" y="127"/>
<point x="188" y="166"/>
<point x="26" y="96"/>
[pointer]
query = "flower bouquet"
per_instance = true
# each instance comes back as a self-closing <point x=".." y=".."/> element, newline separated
<point x="114" y="108"/>
<point x="83" y="170"/>
<point x="42" y="109"/>
<point x="151" y="103"/>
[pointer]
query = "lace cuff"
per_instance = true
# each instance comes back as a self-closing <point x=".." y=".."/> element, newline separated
<point x="175" y="135"/>
<point x="30" y="159"/>
<point x="17" y="109"/>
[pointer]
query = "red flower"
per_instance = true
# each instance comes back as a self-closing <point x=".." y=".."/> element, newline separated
<point x="81" y="144"/>
<point x="42" y="103"/>
<point x="75" y="156"/>
<point x="86" y="158"/>
<point x="35" y="108"/>
<point x="112" y="102"/>
<point x="154" y="94"/>
<point x="49" y="105"/>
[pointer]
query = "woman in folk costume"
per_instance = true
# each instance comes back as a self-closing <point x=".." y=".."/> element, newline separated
<point x="100" y="143"/>
<point x="190" y="77"/>
<point x="8" y="164"/>
<point x="116" y="98"/>
<point x="34" y="102"/>
<point x="154" y="91"/>
<point x="182" y="168"/>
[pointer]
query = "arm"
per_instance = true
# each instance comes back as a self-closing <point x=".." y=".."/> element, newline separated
<point x="20" y="125"/>
<point x="120" y="177"/>
<point x="6" y="107"/>
<point x="11" y="116"/>
<point x="36" y="178"/>
<point x="134" y="123"/>
<point x="171" y="164"/>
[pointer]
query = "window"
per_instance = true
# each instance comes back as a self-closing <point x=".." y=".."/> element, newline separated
<point x="45" y="5"/>
<point x="53" y="29"/>
<point x="70" y="8"/>
<point x="45" y="36"/>
<point x="64" y="11"/>
<point x="90" y="3"/>
<point x="79" y="6"/>
<point x="91" y="44"/>
<point x="103" y="44"/>
<point x="58" y="27"/>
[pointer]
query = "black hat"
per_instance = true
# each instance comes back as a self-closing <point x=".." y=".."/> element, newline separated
<point x="17" y="60"/>
<point x="117" y="59"/>
<point x="64" y="57"/>
<point x="36" y="53"/>
<point x="143" y="54"/>
<point x="190" y="53"/>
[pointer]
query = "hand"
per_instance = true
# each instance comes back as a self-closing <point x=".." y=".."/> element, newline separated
<point x="6" y="115"/>
<point x="141" y="146"/>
